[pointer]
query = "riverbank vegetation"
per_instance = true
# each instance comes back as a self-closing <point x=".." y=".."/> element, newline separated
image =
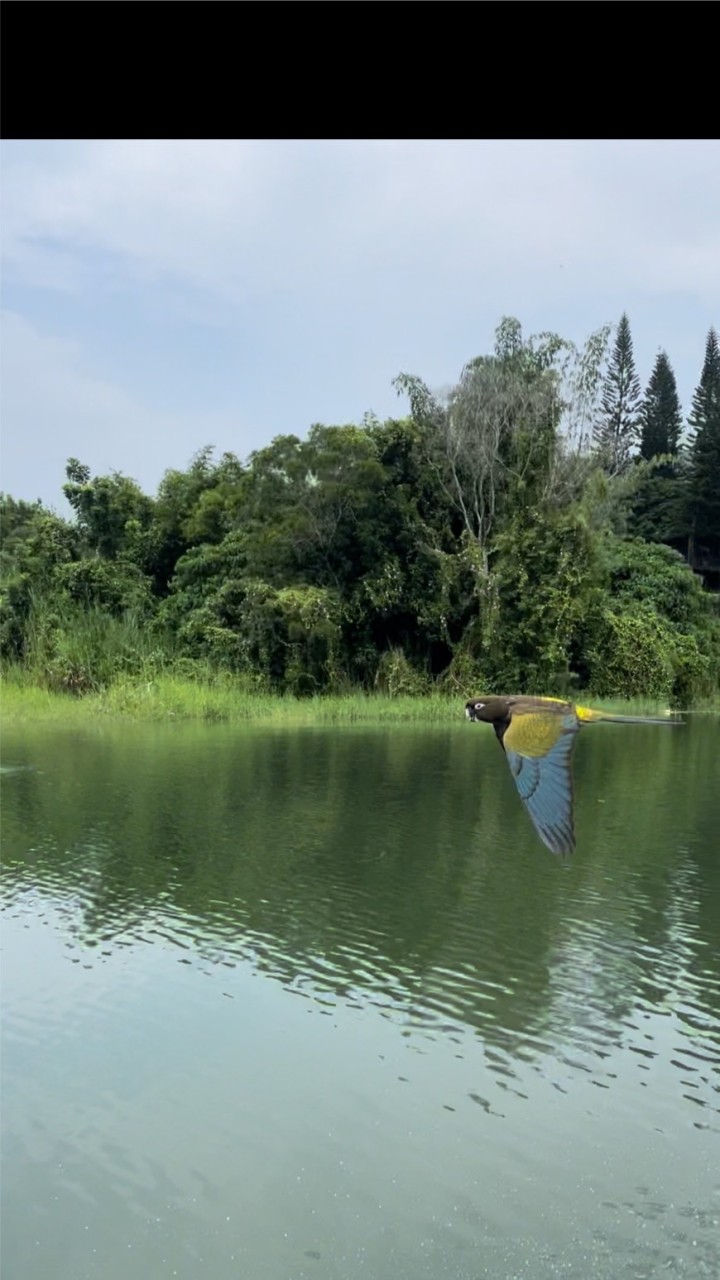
<point x="522" y="531"/>
<point x="218" y="697"/>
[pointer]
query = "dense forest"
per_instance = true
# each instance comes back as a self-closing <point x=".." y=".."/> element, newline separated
<point x="528" y="529"/>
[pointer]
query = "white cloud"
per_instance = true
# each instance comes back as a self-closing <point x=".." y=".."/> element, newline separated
<point x="238" y="217"/>
<point x="58" y="409"/>
<point x="282" y="283"/>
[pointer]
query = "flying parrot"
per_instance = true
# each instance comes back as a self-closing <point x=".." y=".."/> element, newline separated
<point x="538" y="736"/>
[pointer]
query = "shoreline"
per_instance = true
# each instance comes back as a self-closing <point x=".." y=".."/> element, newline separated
<point x="169" y="699"/>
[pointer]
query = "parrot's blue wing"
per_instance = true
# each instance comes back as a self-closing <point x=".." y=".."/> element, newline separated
<point x="544" y="782"/>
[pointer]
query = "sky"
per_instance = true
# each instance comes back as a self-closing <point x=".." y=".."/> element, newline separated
<point x="159" y="296"/>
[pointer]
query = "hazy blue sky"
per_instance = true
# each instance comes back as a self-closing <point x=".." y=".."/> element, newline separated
<point x="159" y="296"/>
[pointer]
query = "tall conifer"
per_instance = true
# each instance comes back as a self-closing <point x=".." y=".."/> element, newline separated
<point x="704" y="423"/>
<point x="660" y="414"/>
<point x="618" y="429"/>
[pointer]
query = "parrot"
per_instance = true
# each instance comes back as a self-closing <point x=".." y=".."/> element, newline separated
<point x="538" y="736"/>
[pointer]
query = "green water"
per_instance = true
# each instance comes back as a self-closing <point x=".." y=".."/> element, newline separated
<point x="317" y="1005"/>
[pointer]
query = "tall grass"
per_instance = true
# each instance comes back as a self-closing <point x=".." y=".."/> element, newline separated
<point x="120" y="667"/>
<point x="80" y="650"/>
<point x="171" y="697"/>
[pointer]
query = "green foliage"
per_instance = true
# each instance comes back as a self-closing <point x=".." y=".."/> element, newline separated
<point x="658" y="612"/>
<point x="397" y="678"/>
<point x="17" y="519"/>
<point x="659" y="504"/>
<point x="658" y="508"/>
<point x="75" y="649"/>
<point x="617" y="430"/>
<point x="493" y="437"/>
<point x="105" y="507"/>
<point x="630" y="650"/>
<point x="197" y="505"/>
<point x="660" y="414"/>
<point x="695" y="666"/>
<point x="581" y="373"/>
<point x="546" y="587"/>
<point x="37" y="549"/>
<point x="704" y="421"/>
<point x="465" y="675"/>
<point x="656" y="575"/>
<point x="115" y="587"/>
<point x="479" y="544"/>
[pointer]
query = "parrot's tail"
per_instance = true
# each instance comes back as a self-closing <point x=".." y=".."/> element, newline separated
<point x="587" y="716"/>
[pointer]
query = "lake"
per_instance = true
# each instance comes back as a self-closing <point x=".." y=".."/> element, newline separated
<point x="316" y="1004"/>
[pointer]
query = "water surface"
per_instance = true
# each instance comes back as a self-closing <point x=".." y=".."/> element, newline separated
<point x="291" y="1004"/>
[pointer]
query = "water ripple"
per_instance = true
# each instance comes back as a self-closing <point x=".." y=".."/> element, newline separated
<point x="464" y="1014"/>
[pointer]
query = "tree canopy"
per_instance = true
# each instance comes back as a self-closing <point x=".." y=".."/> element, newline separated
<point x="496" y="537"/>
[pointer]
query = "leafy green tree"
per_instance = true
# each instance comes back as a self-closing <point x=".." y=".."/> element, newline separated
<point x="492" y="437"/>
<point x="313" y="507"/>
<point x="17" y="519"/>
<point x="39" y="547"/>
<point x="547" y="584"/>
<point x="654" y="632"/>
<point x="618" y="428"/>
<point x="659" y="576"/>
<point x="658" y="508"/>
<point x="479" y="542"/>
<point x="351" y="511"/>
<point x="117" y="587"/>
<point x="581" y="371"/>
<point x="105" y="507"/>
<point x="198" y="505"/>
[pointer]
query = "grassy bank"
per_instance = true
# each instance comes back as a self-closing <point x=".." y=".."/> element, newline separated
<point x="172" y="698"/>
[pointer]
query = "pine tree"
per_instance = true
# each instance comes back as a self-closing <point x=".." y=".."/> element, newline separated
<point x="704" y="423"/>
<point x="660" y="414"/>
<point x="659" y="506"/>
<point x="618" y="429"/>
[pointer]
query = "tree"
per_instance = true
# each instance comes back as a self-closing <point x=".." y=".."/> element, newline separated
<point x="107" y="508"/>
<point x="660" y="414"/>
<point x="495" y="432"/>
<point x="192" y="506"/>
<point x="704" y="422"/>
<point x="17" y="521"/>
<point x="657" y="512"/>
<point x="480" y="543"/>
<point x="547" y="578"/>
<point x="581" y="386"/>
<point x="37" y="544"/>
<point x="617" y="430"/>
